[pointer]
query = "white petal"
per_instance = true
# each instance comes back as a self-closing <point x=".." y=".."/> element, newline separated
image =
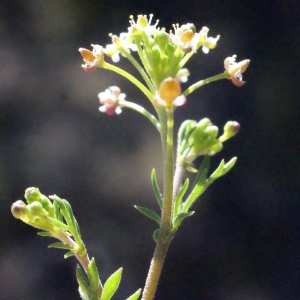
<point x="205" y="49"/>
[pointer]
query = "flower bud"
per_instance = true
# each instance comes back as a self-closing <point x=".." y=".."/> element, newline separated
<point x="156" y="55"/>
<point x="231" y="128"/>
<point x="202" y="124"/>
<point x="19" y="209"/>
<point x="170" y="49"/>
<point x="32" y="194"/>
<point x="212" y="131"/>
<point x="182" y="75"/>
<point x="162" y="39"/>
<point x="36" y="208"/>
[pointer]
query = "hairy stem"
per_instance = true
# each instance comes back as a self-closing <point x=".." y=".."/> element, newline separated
<point x="167" y="210"/>
<point x="83" y="259"/>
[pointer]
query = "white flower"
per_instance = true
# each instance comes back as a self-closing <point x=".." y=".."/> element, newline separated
<point x="235" y="69"/>
<point x="207" y="42"/>
<point x="124" y="41"/>
<point x="110" y="99"/>
<point x="182" y="75"/>
<point x="185" y="37"/>
<point x="143" y="25"/>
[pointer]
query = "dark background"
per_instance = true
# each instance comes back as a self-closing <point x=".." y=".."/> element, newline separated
<point x="242" y="243"/>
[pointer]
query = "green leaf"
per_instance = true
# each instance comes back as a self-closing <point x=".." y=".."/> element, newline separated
<point x="60" y="245"/>
<point x="111" y="285"/>
<point x="169" y="236"/>
<point x="181" y="217"/>
<point x="156" y="188"/>
<point x="191" y="169"/>
<point x="196" y="192"/>
<point x="83" y="295"/>
<point x="179" y="197"/>
<point x="72" y="224"/>
<point x="94" y="279"/>
<point x="156" y="234"/>
<point x="218" y="172"/>
<point x="229" y="165"/>
<point x="69" y="254"/>
<point x="205" y="165"/>
<point x="57" y="213"/>
<point x="135" y="296"/>
<point x="45" y="233"/>
<point x="149" y="213"/>
<point x="58" y="223"/>
<point x="83" y="283"/>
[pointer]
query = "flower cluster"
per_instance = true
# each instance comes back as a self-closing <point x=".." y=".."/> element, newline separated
<point x="163" y="56"/>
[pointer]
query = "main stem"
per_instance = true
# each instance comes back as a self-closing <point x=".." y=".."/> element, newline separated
<point x="167" y="210"/>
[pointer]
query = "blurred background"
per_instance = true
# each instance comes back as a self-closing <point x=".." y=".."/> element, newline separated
<point x="243" y="241"/>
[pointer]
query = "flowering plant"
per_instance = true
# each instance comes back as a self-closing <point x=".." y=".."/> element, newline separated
<point x="163" y="58"/>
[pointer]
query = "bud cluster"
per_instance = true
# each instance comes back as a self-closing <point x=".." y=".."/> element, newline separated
<point x="201" y="138"/>
<point x="37" y="210"/>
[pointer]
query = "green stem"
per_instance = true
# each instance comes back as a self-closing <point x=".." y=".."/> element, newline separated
<point x="141" y="110"/>
<point x="167" y="210"/>
<point x="200" y="83"/>
<point x="131" y="78"/>
<point x="83" y="259"/>
<point x="139" y="68"/>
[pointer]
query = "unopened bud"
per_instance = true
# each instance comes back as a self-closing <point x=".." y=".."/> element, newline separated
<point x="32" y="194"/>
<point x="162" y="39"/>
<point x="231" y="128"/>
<point x="19" y="209"/>
<point x="36" y="208"/>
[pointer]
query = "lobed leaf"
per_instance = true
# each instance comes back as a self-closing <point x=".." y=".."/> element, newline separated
<point x="218" y="172"/>
<point x="229" y="165"/>
<point x="196" y="192"/>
